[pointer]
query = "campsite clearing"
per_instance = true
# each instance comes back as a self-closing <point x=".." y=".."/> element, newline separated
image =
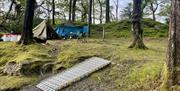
<point x="131" y="69"/>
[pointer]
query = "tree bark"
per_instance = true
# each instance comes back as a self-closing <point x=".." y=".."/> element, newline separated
<point x="70" y="10"/>
<point x="53" y="15"/>
<point x="74" y="10"/>
<point x="27" y="35"/>
<point x="137" y="25"/>
<point x="154" y="16"/>
<point x="101" y="11"/>
<point x="90" y="17"/>
<point x="94" y="16"/>
<point x="107" y="11"/>
<point x="173" y="62"/>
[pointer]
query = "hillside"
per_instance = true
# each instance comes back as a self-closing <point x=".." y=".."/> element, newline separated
<point x="123" y="29"/>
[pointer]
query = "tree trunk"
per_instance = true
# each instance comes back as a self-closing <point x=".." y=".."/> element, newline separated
<point x="137" y="26"/>
<point x="107" y="11"/>
<point x="48" y="12"/>
<point x="94" y="16"/>
<point x="53" y="15"/>
<point x="83" y="17"/>
<point x="70" y="9"/>
<point x="18" y="10"/>
<point x="90" y="17"/>
<point x="101" y="11"/>
<point x="173" y="62"/>
<point x="117" y="8"/>
<point x="74" y="10"/>
<point x="27" y="35"/>
<point x="153" y="12"/>
<point x="154" y="16"/>
<point x="84" y="12"/>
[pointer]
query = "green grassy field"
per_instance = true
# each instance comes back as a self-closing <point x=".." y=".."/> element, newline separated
<point x="131" y="69"/>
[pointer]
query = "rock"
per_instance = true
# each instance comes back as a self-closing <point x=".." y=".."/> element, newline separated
<point x="11" y="68"/>
<point x="26" y="68"/>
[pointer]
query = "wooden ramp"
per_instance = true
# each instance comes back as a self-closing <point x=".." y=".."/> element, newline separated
<point x="73" y="74"/>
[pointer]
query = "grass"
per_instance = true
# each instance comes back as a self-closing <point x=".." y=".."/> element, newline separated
<point x="123" y="28"/>
<point x="15" y="82"/>
<point x="138" y="68"/>
<point x="10" y="51"/>
<point x="131" y="69"/>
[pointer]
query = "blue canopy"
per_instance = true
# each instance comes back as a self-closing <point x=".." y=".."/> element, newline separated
<point x="64" y="31"/>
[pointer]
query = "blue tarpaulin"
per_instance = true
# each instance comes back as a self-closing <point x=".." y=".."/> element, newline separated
<point x="64" y="31"/>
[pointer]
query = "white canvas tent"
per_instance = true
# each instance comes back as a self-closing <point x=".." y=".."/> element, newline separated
<point x="44" y="31"/>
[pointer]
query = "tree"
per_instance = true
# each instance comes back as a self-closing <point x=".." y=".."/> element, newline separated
<point x="107" y="11"/>
<point x="10" y="9"/>
<point x="101" y="11"/>
<point x="84" y="10"/>
<point x="173" y="61"/>
<point x="127" y="11"/>
<point x="154" y="5"/>
<point x="70" y="10"/>
<point x="165" y="11"/>
<point x="62" y="10"/>
<point x="53" y="10"/>
<point x="18" y="10"/>
<point x="137" y="26"/>
<point x="74" y="10"/>
<point x="90" y="17"/>
<point x="116" y="7"/>
<point x="27" y="35"/>
<point x="94" y="16"/>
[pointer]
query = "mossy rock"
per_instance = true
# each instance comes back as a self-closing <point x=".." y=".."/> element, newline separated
<point x="27" y="68"/>
<point x="11" y="68"/>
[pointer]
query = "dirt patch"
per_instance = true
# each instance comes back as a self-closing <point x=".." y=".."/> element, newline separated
<point x="30" y="88"/>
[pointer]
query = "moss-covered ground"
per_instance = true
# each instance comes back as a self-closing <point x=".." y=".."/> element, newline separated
<point x="123" y="28"/>
<point x="131" y="69"/>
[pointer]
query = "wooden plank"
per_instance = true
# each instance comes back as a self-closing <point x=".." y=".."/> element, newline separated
<point x="73" y="74"/>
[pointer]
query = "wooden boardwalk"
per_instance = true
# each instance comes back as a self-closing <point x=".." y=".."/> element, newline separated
<point x="73" y="74"/>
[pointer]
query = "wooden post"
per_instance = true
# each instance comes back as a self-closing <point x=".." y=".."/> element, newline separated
<point x="103" y="33"/>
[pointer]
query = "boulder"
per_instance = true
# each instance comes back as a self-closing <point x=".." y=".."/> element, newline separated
<point x="27" y="68"/>
<point x="11" y="68"/>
